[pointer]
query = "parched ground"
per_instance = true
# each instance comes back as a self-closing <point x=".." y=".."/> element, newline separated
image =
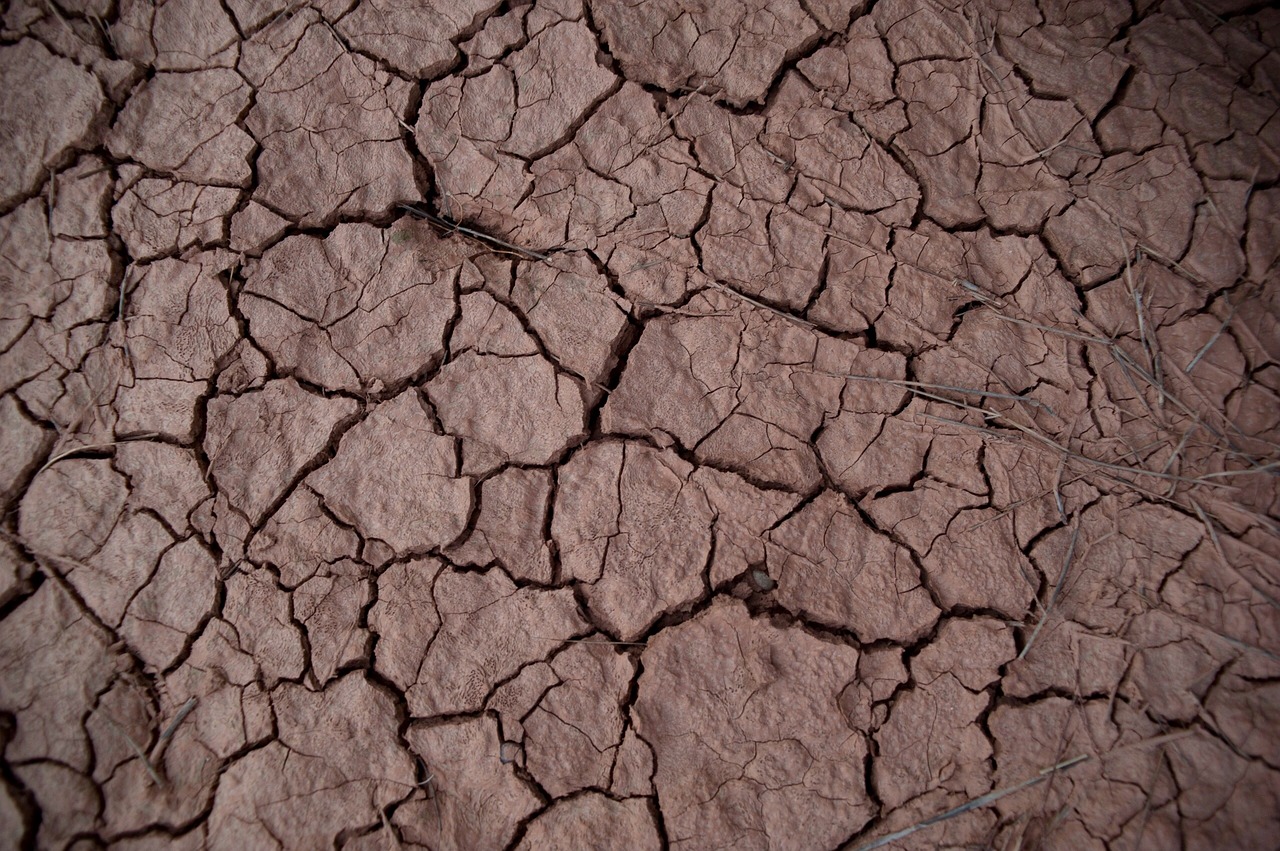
<point x="796" y="424"/>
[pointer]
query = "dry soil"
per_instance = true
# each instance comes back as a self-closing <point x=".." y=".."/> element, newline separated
<point x="780" y="424"/>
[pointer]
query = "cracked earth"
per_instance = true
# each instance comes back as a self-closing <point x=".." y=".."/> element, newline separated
<point x="796" y="424"/>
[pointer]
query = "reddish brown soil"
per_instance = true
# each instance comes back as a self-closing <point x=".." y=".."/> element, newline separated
<point x="834" y="416"/>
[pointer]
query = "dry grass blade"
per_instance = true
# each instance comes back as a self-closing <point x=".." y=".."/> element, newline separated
<point x="57" y="13"/>
<point x="1076" y="456"/>
<point x="1233" y="642"/>
<point x="994" y="434"/>
<point x="977" y="292"/>
<point x="1209" y="13"/>
<point x="1125" y="362"/>
<point x="1177" y="452"/>
<point x="1061" y="332"/>
<point x="103" y="28"/>
<point x="1057" y="589"/>
<point x="653" y="138"/>
<point x="40" y="554"/>
<point x="1222" y="556"/>
<point x="1057" y="489"/>
<point x="1127" y="368"/>
<point x="760" y="304"/>
<point x="393" y="840"/>
<point x="133" y="746"/>
<point x="337" y="38"/>
<point x="915" y="386"/>
<point x="1170" y="263"/>
<point x="1152" y="360"/>
<point x="590" y="641"/>
<point x="93" y="447"/>
<point x="1109" y="471"/>
<point x="974" y="803"/>
<point x="1231" y="312"/>
<point x="158" y="750"/>
<point x="1059" y="818"/>
<point x="491" y="241"/>
<point x="177" y="719"/>
<point x="52" y="200"/>
<point x="1206" y="630"/>
<point x="992" y="797"/>
<point x="1222" y="474"/>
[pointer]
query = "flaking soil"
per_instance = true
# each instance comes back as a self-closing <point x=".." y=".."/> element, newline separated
<point x="800" y="424"/>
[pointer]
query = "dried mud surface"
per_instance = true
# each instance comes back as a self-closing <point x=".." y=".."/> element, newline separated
<point x="833" y="416"/>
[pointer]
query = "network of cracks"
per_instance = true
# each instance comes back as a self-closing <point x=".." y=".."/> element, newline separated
<point x="748" y="423"/>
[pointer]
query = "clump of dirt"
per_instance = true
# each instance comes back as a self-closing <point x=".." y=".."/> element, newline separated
<point x="571" y="423"/>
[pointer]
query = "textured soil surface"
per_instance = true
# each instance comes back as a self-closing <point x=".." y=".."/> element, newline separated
<point x="778" y="424"/>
